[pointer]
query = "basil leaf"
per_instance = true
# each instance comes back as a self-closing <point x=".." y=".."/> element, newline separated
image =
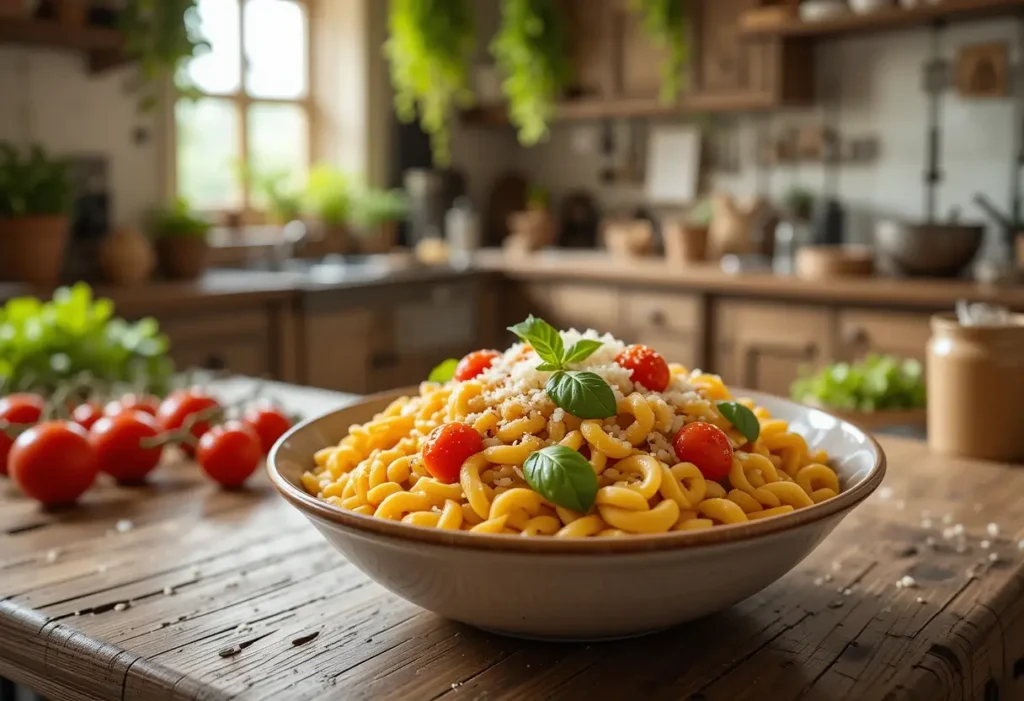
<point x="544" y="338"/>
<point x="581" y="393"/>
<point x="742" y="418"/>
<point x="581" y="350"/>
<point x="547" y="367"/>
<point x="562" y="476"/>
<point x="443" y="372"/>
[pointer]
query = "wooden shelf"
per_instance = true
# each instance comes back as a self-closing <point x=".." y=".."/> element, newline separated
<point x="102" y="48"/>
<point x="890" y="19"/>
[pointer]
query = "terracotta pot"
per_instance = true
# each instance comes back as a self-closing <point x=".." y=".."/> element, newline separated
<point x="127" y="257"/>
<point x="380" y="240"/>
<point x="72" y="13"/>
<point x="32" y="249"/>
<point x="15" y="8"/>
<point x="685" y="243"/>
<point x="976" y="389"/>
<point x="183" y="257"/>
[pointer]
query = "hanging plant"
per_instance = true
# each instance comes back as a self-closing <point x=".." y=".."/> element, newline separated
<point x="532" y="51"/>
<point x="162" y="36"/>
<point x="665" y="22"/>
<point x="430" y="46"/>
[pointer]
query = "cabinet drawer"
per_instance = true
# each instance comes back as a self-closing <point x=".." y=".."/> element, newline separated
<point x="584" y="307"/>
<point x="684" y="349"/>
<point x="862" y="332"/>
<point x="237" y="341"/>
<point x="661" y="312"/>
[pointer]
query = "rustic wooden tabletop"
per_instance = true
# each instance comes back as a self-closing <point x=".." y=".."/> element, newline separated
<point x="181" y="591"/>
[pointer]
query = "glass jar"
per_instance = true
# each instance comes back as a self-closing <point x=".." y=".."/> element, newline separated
<point x="976" y="389"/>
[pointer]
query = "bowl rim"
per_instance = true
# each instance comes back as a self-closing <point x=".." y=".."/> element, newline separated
<point x="370" y="526"/>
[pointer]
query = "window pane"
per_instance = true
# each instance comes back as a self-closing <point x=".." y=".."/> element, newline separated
<point x="275" y="48"/>
<point x="220" y="70"/>
<point x="278" y="144"/>
<point x="208" y="153"/>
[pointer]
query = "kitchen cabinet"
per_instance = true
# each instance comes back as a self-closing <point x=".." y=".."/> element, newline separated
<point x="862" y="332"/>
<point x="672" y="323"/>
<point x="731" y="71"/>
<point x="236" y="340"/>
<point x="765" y="346"/>
<point x="393" y="336"/>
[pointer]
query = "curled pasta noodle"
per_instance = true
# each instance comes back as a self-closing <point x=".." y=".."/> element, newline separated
<point x="380" y="468"/>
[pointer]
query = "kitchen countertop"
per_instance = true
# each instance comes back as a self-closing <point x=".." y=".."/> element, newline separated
<point x="234" y="285"/>
<point x="261" y="607"/>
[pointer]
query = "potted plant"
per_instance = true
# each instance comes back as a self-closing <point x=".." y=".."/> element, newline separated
<point x="161" y="37"/>
<point x="329" y="199"/>
<point x="36" y="197"/>
<point x="531" y="49"/>
<point x="181" y="241"/>
<point x="799" y="203"/>
<point x="429" y="48"/>
<point x="375" y="215"/>
<point x="278" y="193"/>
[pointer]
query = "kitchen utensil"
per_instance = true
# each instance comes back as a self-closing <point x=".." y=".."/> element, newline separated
<point x="992" y="211"/>
<point x="827" y="262"/>
<point x="864" y="7"/>
<point x="935" y="250"/>
<point x="684" y="242"/>
<point x="571" y="588"/>
<point x="628" y="238"/>
<point x="822" y="10"/>
<point x="976" y="387"/>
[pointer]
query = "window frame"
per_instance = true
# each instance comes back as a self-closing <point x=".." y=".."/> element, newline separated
<point x="241" y="100"/>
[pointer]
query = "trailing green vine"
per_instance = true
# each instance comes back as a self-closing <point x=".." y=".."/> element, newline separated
<point x="430" y="46"/>
<point x="666" y="23"/>
<point x="162" y="35"/>
<point x="531" y="49"/>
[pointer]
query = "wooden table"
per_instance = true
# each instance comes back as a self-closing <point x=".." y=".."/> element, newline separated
<point x="214" y="595"/>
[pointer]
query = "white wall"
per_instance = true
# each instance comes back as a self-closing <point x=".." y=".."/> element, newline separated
<point x="879" y="91"/>
<point x="49" y="98"/>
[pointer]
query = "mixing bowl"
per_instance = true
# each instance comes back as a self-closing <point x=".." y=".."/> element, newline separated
<point x="927" y="250"/>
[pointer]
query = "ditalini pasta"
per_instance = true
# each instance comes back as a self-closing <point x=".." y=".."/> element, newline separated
<point x="570" y="434"/>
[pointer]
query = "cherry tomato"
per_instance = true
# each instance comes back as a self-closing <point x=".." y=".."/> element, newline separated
<point x="268" y="422"/>
<point x="229" y="453"/>
<point x="179" y="406"/>
<point x="474" y="364"/>
<point x="17" y="409"/>
<point x="646" y="367"/>
<point x="53" y="462"/>
<point x="447" y="447"/>
<point x="706" y="446"/>
<point x="133" y="402"/>
<point x="86" y="415"/>
<point x="117" y="441"/>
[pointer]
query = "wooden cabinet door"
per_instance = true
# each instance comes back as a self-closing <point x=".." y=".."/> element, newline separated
<point x="639" y="61"/>
<point x="589" y="27"/>
<point x="584" y="306"/>
<point x="671" y="323"/>
<point x="765" y="346"/>
<point x="237" y="341"/>
<point x="338" y="346"/>
<point x="897" y="333"/>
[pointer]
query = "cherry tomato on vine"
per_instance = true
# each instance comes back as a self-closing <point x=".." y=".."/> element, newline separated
<point x="118" y="442"/>
<point x="133" y="402"/>
<point x="229" y="453"/>
<point x="706" y="446"/>
<point x="646" y="367"/>
<point x="53" y="462"/>
<point x="474" y="364"/>
<point x="17" y="409"/>
<point x="268" y="422"/>
<point x="447" y="447"/>
<point x="179" y="406"/>
<point x="86" y="415"/>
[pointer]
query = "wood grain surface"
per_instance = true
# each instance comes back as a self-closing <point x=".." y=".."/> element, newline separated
<point x="205" y="594"/>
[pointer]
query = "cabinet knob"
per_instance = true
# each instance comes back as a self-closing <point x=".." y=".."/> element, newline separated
<point x="855" y="336"/>
<point x="656" y="317"/>
<point x="215" y="362"/>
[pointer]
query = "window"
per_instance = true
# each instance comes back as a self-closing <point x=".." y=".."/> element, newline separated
<point x="254" y="111"/>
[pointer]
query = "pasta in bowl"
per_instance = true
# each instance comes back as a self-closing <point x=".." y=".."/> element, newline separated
<point x="595" y="462"/>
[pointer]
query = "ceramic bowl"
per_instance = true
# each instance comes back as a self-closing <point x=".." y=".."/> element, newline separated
<point x="581" y="588"/>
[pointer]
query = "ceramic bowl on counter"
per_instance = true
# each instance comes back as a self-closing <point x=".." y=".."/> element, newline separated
<point x="579" y="588"/>
<point x="928" y="250"/>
